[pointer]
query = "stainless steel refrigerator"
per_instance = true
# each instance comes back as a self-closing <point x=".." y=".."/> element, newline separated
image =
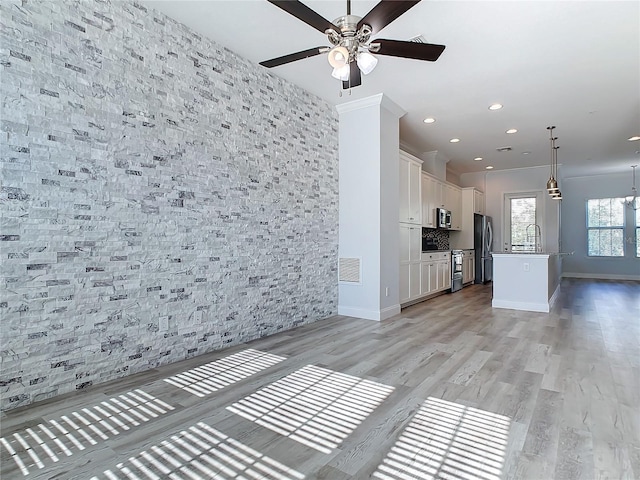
<point x="483" y="243"/>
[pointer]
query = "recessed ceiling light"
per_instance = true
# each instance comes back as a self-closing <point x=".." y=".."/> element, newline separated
<point x="489" y="167"/>
<point x="495" y="106"/>
<point x="429" y="120"/>
<point x="454" y="140"/>
<point x="512" y="130"/>
<point x="526" y="153"/>
<point x="634" y="138"/>
<point x="477" y="159"/>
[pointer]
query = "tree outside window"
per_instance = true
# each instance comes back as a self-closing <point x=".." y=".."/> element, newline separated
<point x="524" y="237"/>
<point x="605" y="227"/>
<point x="637" y="207"/>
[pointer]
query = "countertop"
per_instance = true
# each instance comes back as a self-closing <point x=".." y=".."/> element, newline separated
<point x="449" y="250"/>
<point x="529" y="254"/>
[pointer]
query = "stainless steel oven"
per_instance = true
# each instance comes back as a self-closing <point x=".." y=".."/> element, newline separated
<point x="456" y="270"/>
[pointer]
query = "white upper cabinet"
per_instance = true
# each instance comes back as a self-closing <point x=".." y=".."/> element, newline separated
<point x="478" y="202"/>
<point x="472" y="202"/>
<point x="438" y="194"/>
<point x="410" y="189"/>
<point x="453" y="202"/>
<point x="428" y="201"/>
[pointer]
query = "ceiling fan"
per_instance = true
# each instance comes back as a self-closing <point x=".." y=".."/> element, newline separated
<point x="350" y="36"/>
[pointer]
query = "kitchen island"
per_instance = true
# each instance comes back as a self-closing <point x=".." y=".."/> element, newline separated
<point x="525" y="281"/>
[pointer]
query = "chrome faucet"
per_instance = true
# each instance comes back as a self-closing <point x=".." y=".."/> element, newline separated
<point x="537" y="237"/>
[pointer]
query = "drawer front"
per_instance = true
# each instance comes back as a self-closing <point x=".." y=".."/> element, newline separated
<point x="433" y="256"/>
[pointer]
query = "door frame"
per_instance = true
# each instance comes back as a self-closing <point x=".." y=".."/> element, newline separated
<point x="506" y="215"/>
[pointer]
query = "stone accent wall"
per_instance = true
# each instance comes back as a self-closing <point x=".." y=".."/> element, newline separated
<point x="160" y="198"/>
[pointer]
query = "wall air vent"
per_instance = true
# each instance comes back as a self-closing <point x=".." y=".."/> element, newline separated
<point x="349" y="270"/>
<point x="504" y="149"/>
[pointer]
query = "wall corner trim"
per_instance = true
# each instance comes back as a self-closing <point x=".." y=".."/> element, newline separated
<point x="376" y="315"/>
<point x="378" y="99"/>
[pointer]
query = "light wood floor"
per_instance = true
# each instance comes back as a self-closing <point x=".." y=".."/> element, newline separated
<point x="451" y="388"/>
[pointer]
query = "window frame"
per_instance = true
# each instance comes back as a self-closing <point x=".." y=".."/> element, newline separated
<point x="612" y="228"/>
<point x="636" y="217"/>
<point x="540" y="218"/>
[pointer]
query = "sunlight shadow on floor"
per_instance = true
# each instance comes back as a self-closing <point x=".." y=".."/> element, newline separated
<point x="213" y="376"/>
<point x="49" y="441"/>
<point x="314" y="406"/>
<point x="448" y="440"/>
<point x="200" y="453"/>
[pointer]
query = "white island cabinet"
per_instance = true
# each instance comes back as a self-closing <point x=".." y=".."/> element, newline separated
<point x="525" y="281"/>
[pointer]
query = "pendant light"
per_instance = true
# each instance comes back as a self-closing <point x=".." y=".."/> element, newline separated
<point x="631" y="200"/>
<point x="557" y="195"/>
<point x="552" y="184"/>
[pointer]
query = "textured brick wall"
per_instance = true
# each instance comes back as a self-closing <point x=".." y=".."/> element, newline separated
<point x="161" y="197"/>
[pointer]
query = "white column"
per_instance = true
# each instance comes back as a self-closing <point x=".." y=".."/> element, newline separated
<point x="369" y="202"/>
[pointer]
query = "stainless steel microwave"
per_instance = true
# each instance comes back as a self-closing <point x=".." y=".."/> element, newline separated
<point x="443" y="217"/>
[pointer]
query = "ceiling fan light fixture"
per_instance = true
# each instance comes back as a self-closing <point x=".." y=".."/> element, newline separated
<point x="366" y="62"/>
<point x="350" y="37"/>
<point x="338" y="57"/>
<point x="341" y="73"/>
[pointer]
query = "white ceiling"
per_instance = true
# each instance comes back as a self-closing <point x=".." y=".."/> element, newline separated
<point x="573" y="64"/>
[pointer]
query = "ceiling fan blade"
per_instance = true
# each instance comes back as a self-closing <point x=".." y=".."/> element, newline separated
<point x="385" y="12"/>
<point x="292" y="57"/>
<point x="355" y="79"/>
<point x="420" y="51"/>
<point x="304" y="13"/>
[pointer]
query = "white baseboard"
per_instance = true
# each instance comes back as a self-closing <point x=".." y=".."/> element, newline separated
<point x="377" y="315"/>
<point x="600" y="276"/>
<point x="529" y="307"/>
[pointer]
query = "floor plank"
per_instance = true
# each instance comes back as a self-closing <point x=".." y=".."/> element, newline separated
<point x="469" y="392"/>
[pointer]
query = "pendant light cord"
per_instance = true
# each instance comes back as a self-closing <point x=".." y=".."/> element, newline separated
<point x="551" y="152"/>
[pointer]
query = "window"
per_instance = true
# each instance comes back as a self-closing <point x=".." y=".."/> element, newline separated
<point x="637" y="207"/>
<point x="605" y="227"/>
<point x="522" y="223"/>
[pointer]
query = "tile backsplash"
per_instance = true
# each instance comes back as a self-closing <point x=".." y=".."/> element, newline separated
<point x="434" y="235"/>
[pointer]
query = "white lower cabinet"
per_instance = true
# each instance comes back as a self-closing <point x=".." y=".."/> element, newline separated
<point x="421" y="274"/>
<point x="410" y="247"/>
<point x="409" y="282"/>
<point x="468" y="266"/>
<point x="428" y="277"/>
<point x="444" y="275"/>
<point x="435" y="272"/>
